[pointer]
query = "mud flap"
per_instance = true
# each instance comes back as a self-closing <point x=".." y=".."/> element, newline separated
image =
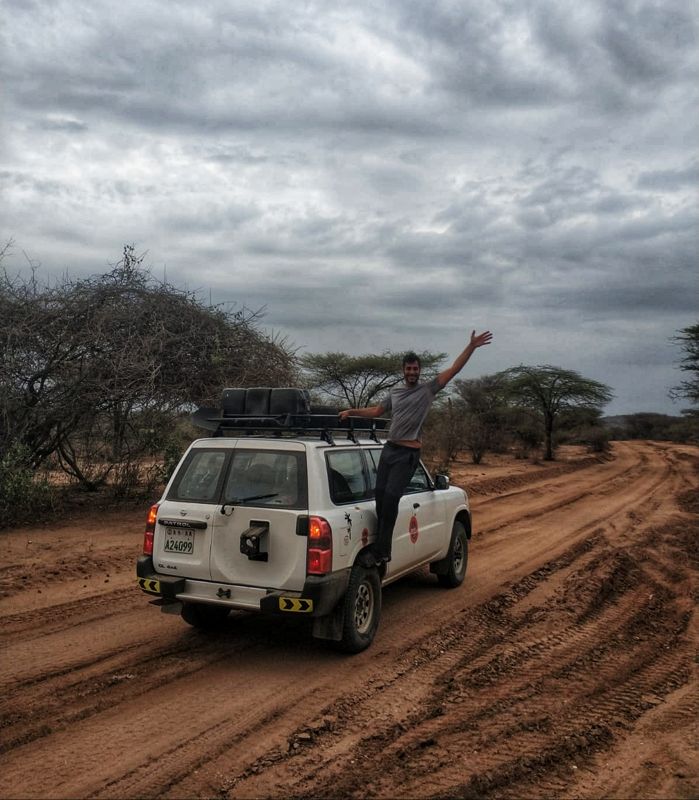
<point x="167" y="606"/>
<point x="330" y="626"/>
<point x="440" y="567"/>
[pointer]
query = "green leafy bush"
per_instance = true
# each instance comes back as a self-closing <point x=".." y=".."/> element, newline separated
<point x="21" y="491"/>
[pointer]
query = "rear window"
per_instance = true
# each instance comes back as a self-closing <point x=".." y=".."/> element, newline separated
<point x="200" y="477"/>
<point x="242" y="477"/>
<point x="267" y="478"/>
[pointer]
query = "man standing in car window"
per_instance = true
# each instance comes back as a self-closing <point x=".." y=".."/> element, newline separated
<point x="409" y="403"/>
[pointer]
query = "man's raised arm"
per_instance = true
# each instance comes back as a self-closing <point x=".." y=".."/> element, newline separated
<point x="476" y="341"/>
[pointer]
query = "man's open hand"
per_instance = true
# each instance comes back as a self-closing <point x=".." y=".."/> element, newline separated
<point x="481" y="339"/>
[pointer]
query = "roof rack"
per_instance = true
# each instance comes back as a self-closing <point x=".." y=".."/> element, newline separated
<point x="281" y="411"/>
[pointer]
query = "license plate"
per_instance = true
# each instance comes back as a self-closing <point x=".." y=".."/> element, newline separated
<point x="180" y="542"/>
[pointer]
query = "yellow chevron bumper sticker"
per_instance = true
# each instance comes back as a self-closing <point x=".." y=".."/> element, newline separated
<point x="148" y="585"/>
<point x="295" y="604"/>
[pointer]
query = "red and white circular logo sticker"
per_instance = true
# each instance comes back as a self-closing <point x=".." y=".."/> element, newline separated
<point x="414" y="530"/>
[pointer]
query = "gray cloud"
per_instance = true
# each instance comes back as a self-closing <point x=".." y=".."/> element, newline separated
<point x="376" y="176"/>
<point x="670" y="179"/>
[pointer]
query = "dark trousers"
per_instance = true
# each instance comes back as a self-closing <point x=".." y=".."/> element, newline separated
<point x="396" y="467"/>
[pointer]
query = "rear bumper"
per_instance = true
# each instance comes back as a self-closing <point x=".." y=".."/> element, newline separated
<point x="166" y="586"/>
<point x="319" y="596"/>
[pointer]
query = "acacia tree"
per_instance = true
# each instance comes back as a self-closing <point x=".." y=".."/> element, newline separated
<point x="358" y="381"/>
<point x="89" y="368"/>
<point x="549" y="391"/>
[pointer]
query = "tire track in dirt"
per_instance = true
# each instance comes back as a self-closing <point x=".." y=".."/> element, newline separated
<point x="512" y="485"/>
<point x="606" y="484"/>
<point x="524" y="734"/>
<point x="177" y="763"/>
<point x="464" y="642"/>
<point x="16" y="577"/>
<point x="37" y="623"/>
<point x="201" y="656"/>
<point x="424" y="659"/>
<point x="97" y="684"/>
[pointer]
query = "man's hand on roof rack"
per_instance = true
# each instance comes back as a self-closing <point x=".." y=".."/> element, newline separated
<point x="370" y="411"/>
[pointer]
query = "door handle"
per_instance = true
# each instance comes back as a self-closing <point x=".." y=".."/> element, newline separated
<point x="416" y="505"/>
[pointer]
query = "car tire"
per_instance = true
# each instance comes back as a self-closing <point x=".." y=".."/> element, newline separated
<point x="457" y="559"/>
<point x="361" y="609"/>
<point x="204" y="617"/>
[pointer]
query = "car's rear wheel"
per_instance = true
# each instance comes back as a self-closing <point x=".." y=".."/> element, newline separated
<point x="204" y="617"/>
<point x="457" y="559"/>
<point x="361" y="609"/>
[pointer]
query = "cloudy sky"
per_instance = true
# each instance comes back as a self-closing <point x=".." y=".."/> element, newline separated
<point x="376" y="174"/>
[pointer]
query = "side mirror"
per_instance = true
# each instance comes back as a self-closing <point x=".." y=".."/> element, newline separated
<point x="441" y="482"/>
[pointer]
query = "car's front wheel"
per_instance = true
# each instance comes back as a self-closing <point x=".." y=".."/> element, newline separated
<point x="204" y="617"/>
<point x="361" y="609"/>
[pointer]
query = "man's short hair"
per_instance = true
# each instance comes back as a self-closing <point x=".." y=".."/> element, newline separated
<point x="411" y="358"/>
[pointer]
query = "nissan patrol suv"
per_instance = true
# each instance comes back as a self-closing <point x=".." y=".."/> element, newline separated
<point x="274" y="513"/>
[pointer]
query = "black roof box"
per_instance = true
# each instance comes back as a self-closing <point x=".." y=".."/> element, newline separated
<point x="263" y="409"/>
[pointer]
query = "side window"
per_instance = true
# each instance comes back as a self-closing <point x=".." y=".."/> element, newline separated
<point x="346" y="476"/>
<point x="199" y="478"/>
<point x="419" y="482"/>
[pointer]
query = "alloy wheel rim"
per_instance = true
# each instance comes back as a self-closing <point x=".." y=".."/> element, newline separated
<point x="364" y="607"/>
<point x="458" y="555"/>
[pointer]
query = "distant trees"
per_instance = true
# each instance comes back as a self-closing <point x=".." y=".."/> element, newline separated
<point x="648" y="425"/>
<point x="92" y="371"/>
<point x="550" y="391"/>
<point x="523" y="405"/>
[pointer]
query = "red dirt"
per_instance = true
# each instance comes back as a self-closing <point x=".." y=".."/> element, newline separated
<point x="565" y="666"/>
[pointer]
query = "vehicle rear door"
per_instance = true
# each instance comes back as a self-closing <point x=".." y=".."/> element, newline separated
<point x="186" y="517"/>
<point x="258" y="539"/>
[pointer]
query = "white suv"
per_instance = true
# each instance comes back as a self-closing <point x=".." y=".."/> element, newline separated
<point x="279" y="520"/>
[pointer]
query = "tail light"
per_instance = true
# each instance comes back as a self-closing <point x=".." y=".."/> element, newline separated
<point x="320" y="546"/>
<point x="150" y="530"/>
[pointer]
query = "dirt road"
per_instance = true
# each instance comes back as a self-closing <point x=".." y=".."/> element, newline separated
<point x="566" y="666"/>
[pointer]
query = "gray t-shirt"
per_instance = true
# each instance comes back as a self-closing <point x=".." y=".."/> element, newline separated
<point x="409" y="406"/>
